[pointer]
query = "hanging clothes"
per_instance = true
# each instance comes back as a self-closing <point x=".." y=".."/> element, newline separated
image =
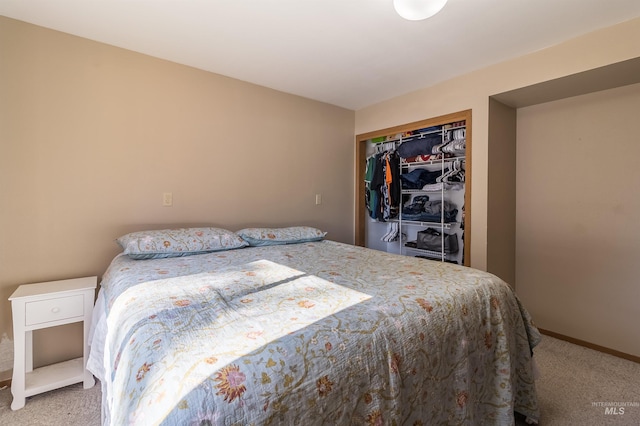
<point x="382" y="183"/>
<point x="370" y="195"/>
<point x="392" y="184"/>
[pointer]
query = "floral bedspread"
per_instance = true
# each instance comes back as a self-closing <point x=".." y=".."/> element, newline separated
<point x="310" y="334"/>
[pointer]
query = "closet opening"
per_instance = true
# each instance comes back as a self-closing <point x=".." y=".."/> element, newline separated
<point x="413" y="188"/>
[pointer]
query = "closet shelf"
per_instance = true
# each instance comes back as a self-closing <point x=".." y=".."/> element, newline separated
<point x="419" y="135"/>
<point x="445" y="225"/>
<point x="430" y="253"/>
<point x="432" y="191"/>
<point x="431" y="162"/>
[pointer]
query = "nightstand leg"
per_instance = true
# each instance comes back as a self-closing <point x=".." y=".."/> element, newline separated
<point x="18" y="379"/>
<point x="89" y="380"/>
<point x="28" y="352"/>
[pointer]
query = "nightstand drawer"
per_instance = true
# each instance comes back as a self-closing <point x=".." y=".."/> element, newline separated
<point x="49" y="310"/>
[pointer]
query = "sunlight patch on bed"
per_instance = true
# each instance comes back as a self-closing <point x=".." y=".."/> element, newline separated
<point x="226" y="314"/>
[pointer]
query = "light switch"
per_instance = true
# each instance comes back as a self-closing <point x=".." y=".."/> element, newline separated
<point x="318" y="199"/>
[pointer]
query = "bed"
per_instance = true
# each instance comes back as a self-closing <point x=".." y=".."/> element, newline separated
<point x="311" y="332"/>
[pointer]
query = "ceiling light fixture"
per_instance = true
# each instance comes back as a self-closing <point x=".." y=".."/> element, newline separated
<point x="416" y="10"/>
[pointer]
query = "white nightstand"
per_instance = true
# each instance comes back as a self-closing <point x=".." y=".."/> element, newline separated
<point x="44" y="305"/>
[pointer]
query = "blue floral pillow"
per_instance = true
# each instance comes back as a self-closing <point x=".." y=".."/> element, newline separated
<point x="274" y="236"/>
<point x="178" y="242"/>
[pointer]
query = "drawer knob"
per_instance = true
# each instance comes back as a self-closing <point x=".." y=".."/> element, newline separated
<point x="55" y="310"/>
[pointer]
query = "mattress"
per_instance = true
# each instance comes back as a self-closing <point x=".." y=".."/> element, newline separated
<point x="312" y="333"/>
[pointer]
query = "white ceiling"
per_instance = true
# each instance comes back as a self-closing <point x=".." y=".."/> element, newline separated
<point x="350" y="53"/>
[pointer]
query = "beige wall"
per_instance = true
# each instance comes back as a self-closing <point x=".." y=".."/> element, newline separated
<point x="578" y="233"/>
<point x="473" y="91"/>
<point x="92" y="135"/>
<point x="501" y="193"/>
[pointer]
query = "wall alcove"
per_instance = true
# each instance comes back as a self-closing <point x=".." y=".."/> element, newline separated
<point x="573" y="272"/>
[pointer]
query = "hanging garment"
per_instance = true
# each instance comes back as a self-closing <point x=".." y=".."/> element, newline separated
<point x="370" y="195"/>
<point x="383" y="190"/>
<point x="377" y="181"/>
<point x="391" y="188"/>
<point x="392" y="181"/>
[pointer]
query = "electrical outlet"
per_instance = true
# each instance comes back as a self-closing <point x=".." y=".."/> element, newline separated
<point x="318" y="199"/>
<point x="167" y="199"/>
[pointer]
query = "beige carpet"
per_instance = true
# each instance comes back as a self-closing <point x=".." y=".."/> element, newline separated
<point x="573" y="380"/>
<point x="69" y="406"/>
